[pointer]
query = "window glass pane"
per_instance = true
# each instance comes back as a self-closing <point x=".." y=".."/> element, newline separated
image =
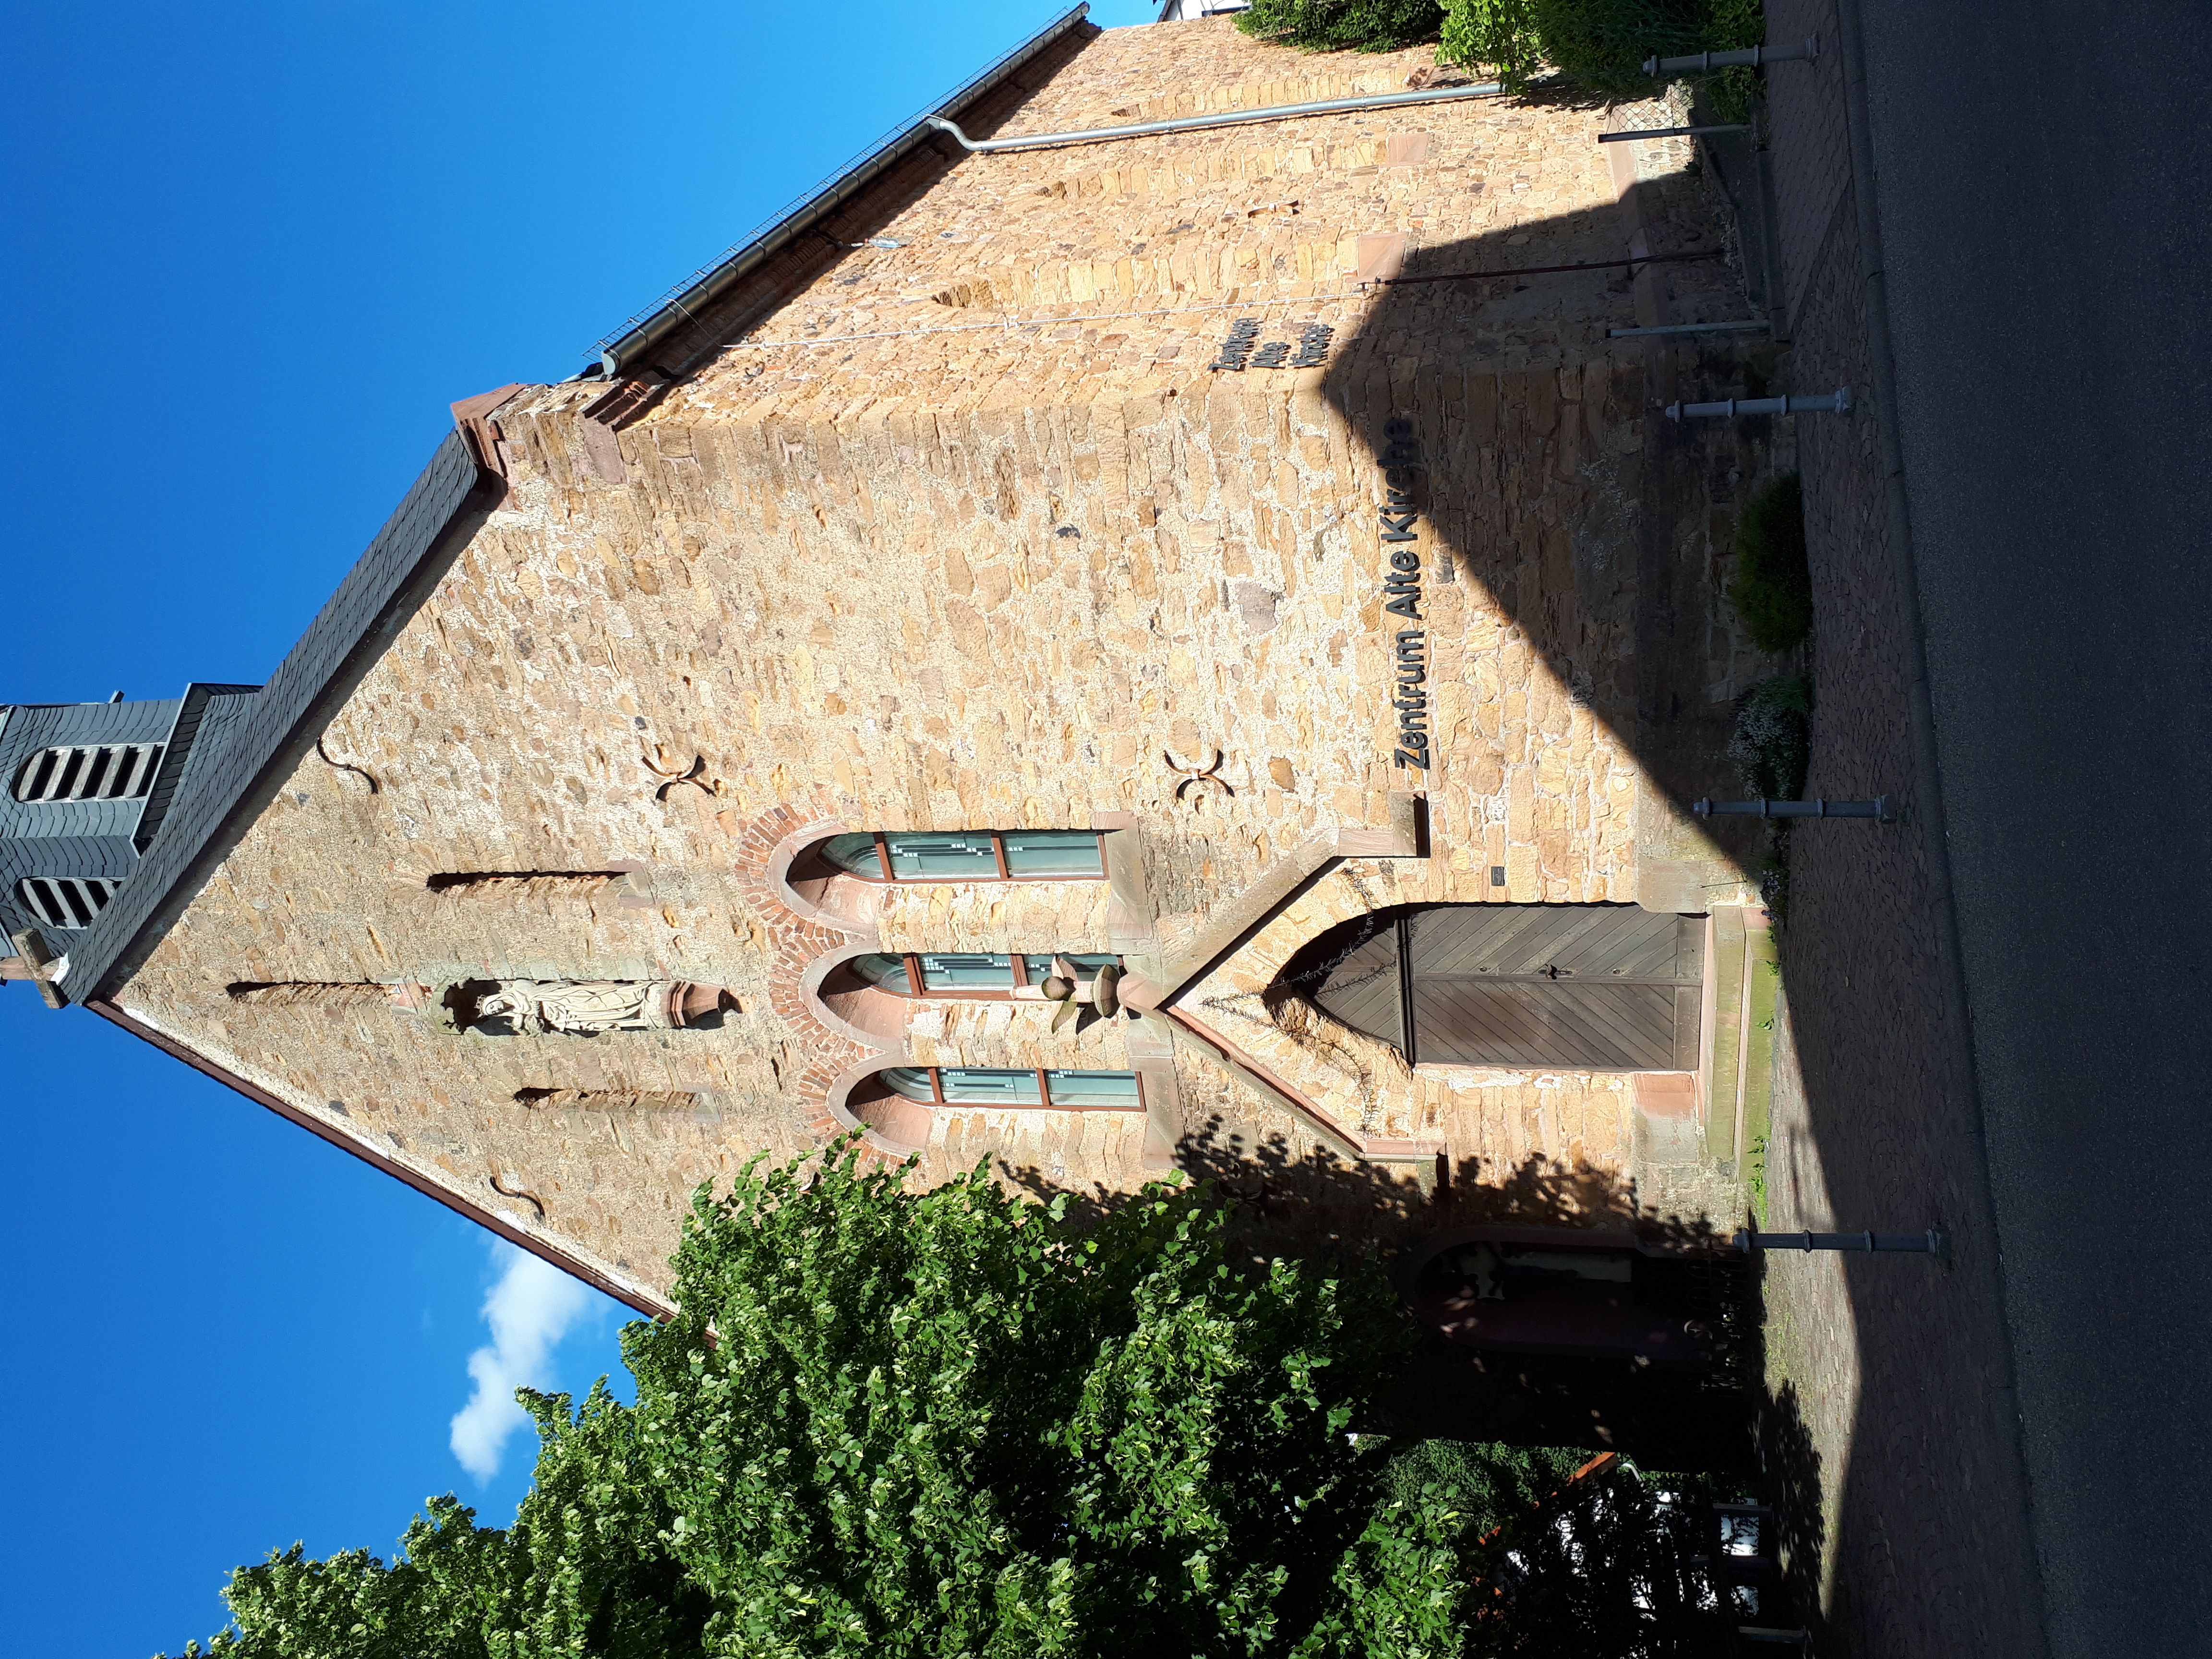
<point x="912" y="1081"/>
<point x="968" y="971"/>
<point x="1086" y="967"/>
<point x="1091" y="1088"/>
<point x="853" y="853"/>
<point x="1053" y="852"/>
<point x="890" y="972"/>
<point x="987" y="1086"/>
<point x="962" y="857"/>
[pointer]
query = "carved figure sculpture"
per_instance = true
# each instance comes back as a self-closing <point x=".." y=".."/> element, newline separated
<point x="576" y="1007"/>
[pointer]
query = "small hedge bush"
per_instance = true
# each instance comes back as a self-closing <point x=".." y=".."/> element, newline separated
<point x="1772" y="746"/>
<point x="1343" y="25"/>
<point x="1773" y="587"/>
<point x="1602" y="44"/>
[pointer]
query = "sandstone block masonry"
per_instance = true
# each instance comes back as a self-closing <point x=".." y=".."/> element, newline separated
<point x="954" y="528"/>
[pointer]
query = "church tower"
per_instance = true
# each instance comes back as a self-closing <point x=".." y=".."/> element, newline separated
<point x="87" y="785"/>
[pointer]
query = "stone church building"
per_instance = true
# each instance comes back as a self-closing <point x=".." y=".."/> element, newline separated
<point x="1102" y="653"/>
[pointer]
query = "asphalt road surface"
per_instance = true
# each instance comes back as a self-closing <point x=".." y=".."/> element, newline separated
<point x="2044" y="185"/>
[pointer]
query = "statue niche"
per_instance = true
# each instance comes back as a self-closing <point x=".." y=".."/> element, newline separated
<point x="577" y="1007"/>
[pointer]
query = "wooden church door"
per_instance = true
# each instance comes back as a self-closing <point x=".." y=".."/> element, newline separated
<point x="1605" y="987"/>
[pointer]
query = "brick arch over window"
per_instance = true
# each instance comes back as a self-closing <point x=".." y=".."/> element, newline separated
<point x="846" y="1002"/>
<point x="801" y="939"/>
<point x="802" y="881"/>
<point x="845" y="1038"/>
<point x="857" y="1098"/>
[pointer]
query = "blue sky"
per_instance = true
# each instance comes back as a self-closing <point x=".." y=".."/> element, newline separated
<point x="253" y="253"/>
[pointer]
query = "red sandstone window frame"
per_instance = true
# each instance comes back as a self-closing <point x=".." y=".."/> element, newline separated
<point x="1044" y="1101"/>
<point x="1018" y="959"/>
<point x="885" y="879"/>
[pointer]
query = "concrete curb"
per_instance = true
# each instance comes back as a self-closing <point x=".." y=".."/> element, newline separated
<point x="1927" y="802"/>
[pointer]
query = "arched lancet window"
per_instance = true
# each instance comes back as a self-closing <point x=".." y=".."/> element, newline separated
<point x="969" y="855"/>
<point x="987" y="1085"/>
<point x="973" y="974"/>
<point x="106" y="771"/>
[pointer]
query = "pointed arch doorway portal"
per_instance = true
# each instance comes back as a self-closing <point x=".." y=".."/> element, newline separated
<point x="1600" y="987"/>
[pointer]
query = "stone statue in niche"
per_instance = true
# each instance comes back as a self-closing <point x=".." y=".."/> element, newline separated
<point x="578" y="1007"/>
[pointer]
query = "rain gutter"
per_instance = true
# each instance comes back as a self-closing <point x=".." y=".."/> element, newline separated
<point x="1224" y="119"/>
<point x="641" y="334"/>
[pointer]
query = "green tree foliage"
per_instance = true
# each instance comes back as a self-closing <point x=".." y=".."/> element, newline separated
<point x="1489" y="1487"/>
<point x="952" y="1423"/>
<point x="944" y="1423"/>
<point x="1600" y="1571"/>
<point x="1773" y="586"/>
<point x="1343" y="25"/>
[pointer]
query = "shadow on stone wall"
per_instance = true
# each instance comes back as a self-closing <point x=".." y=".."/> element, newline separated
<point x="1620" y="602"/>
<point x="1619" y="599"/>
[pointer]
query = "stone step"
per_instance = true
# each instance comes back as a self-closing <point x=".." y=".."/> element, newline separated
<point x="1762" y="998"/>
<point x="1695" y="1133"/>
<point x="1720" y="1070"/>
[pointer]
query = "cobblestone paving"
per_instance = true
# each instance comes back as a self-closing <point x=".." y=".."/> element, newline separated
<point x="1889" y="1432"/>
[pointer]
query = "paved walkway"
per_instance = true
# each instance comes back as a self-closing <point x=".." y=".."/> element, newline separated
<point x="2046" y="267"/>
<point x="1893" y="1432"/>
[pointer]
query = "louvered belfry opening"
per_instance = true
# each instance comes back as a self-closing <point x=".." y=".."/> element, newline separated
<point x="1601" y="987"/>
<point x="108" y="771"/>
<point x="65" y="901"/>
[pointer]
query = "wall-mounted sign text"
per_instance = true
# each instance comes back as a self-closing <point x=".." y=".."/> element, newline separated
<point x="1402" y="595"/>
<point x="1237" y="349"/>
<point x="1244" y="349"/>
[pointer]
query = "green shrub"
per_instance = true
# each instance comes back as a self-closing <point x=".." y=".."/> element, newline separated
<point x="1495" y="34"/>
<point x="1343" y="25"/>
<point x="1488" y="1486"/>
<point x="1731" y="25"/>
<point x="1602" y="44"/>
<point x="1772" y="743"/>
<point x="1773" y="588"/>
<point x="1774" y="874"/>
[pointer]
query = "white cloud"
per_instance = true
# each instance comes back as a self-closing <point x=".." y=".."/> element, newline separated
<point x="529" y="1311"/>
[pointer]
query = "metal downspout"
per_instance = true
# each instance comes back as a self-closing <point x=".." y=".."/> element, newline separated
<point x="1227" y="119"/>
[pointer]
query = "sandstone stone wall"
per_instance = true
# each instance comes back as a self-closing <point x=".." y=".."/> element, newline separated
<point x="965" y="535"/>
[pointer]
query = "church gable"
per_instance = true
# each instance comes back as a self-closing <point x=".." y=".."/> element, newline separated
<point x="679" y="813"/>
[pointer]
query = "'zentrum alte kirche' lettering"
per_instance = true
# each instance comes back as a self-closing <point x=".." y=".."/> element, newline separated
<point x="1402" y="595"/>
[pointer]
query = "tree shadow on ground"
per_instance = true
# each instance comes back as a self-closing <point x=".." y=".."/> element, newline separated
<point x="1790" y="1463"/>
